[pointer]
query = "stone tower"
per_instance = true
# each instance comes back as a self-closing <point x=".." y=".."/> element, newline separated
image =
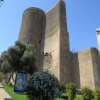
<point x="56" y="45"/>
<point x="98" y="37"/>
<point x="48" y="33"/>
<point x="33" y="29"/>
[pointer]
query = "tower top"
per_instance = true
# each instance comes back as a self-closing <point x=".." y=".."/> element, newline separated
<point x="62" y="0"/>
<point x="98" y="30"/>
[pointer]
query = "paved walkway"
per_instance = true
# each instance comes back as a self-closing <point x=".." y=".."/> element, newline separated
<point x="3" y="94"/>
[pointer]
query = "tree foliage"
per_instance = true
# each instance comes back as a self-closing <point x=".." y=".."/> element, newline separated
<point x="19" y="57"/>
<point x="43" y="86"/>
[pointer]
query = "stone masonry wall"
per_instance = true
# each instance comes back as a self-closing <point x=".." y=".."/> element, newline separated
<point x="75" y="69"/>
<point x="96" y="66"/>
<point x="65" y="68"/>
<point x="88" y="68"/>
<point x="57" y="42"/>
<point x="49" y="35"/>
<point x="51" y="42"/>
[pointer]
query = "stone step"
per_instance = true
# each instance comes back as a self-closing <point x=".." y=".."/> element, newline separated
<point x="3" y="94"/>
<point x="1" y="86"/>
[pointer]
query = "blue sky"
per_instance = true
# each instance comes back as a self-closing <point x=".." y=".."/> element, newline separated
<point x="83" y="18"/>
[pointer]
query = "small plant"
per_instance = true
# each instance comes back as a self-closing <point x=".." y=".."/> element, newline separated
<point x="62" y="87"/>
<point x="87" y="93"/>
<point x="1" y="76"/>
<point x="71" y="91"/>
<point x="63" y="94"/>
<point x="97" y="94"/>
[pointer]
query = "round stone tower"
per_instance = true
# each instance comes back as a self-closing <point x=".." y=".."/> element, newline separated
<point x="33" y="30"/>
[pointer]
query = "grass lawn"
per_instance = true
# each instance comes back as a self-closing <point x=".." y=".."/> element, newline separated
<point x="15" y="96"/>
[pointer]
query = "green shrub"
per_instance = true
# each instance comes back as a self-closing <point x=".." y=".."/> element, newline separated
<point x="67" y="92"/>
<point x="43" y="86"/>
<point x="97" y="94"/>
<point x="62" y="96"/>
<point x="87" y="93"/>
<point x="1" y="76"/>
<point x="62" y="87"/>
<point x="60" y="99"/>
<point x="71" y="91"/>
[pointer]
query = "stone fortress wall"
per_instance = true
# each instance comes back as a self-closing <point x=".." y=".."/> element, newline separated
<point x="51" y="44"/>
<point x="89" y="68"/>
<point x="85" y="68"/>
<point x="54" y="55"/>
<point x="80" y="67"/>
<point x="57" y="42"/>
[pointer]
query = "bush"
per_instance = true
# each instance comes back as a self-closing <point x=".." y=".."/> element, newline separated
<point x="67" y="92"/>
<point x="71" y="91"/>
<point x="62" y="96"/>
<point x="97" y="94"/>
<point x="87" y="94"/>
<point x="43" y="86"/>
<point x="1" y="76"/>
<point x="60" y="99"/>
<point x="62" y="88"/>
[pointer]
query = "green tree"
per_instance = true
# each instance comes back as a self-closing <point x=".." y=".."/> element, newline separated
<point x="19" y="57"/>
<point x="28" y="59"/>
<point x="5" y="62"/>
<point x="43" y="86"/>
<point x="87" y="93"/>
